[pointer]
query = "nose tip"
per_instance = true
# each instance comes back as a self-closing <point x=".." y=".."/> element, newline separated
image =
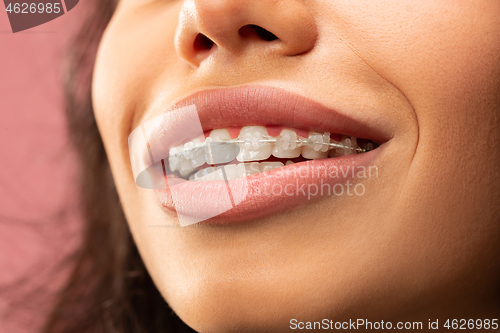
<point x="284" y="27"/>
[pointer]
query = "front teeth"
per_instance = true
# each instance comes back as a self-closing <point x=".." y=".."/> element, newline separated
<point x="314" y="150"/>
<point x="234" y="171"/>
<point x="219" y="135"/>
<point x="195" y="153"/>
<point x="220" y="152"/>
<point x="268" y="166"/>
<point x="192" y="156"/>
<point x="286" y="145"/>
<point x="253" y="145"/>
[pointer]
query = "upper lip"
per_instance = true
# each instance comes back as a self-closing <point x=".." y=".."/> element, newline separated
<point x="259" y="105"/>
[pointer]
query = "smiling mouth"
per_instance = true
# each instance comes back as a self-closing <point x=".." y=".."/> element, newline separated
<point x="206" y="164"/>
<point x="250" y="150"/>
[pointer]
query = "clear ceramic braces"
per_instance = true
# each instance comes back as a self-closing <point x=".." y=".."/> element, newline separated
<point x="301" y="142"/>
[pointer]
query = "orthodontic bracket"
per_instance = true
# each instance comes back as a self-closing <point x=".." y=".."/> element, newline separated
<point x="268" y="139"/>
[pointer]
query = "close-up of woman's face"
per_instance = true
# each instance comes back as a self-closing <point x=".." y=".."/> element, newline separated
<point x="414" y="237"/>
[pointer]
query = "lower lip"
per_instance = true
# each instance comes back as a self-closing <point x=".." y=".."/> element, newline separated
<point x="265" y="193"/>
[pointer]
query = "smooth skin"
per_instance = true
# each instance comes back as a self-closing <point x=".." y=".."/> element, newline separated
<point x="422" y="243"/>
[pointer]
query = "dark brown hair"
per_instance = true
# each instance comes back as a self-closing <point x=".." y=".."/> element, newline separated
<point x="109" y="289"/>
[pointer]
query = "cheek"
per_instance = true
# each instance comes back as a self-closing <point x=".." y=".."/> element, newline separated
<point x="136" y="50"/>
<point x="426" y="45"/>
<point x="134" y="54"/>
<point x="444" y="57"/>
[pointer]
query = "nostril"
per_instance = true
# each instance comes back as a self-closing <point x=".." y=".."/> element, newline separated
<point x="251" y="29"/>
<point x="264" y="34"/>
<point x="203" y="43"/>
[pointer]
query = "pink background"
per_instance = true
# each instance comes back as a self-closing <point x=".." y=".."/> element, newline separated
<point x="39" y="218"/>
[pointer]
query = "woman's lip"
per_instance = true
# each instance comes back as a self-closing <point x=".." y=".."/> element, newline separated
<point x="264" y="194"/>
<point x="264" y="105"/>
<point x="240" y="106"/>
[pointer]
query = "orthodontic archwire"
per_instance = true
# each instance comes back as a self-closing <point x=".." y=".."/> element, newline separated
<point x="268" y="139"/>
<point x="304" y="142"/>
